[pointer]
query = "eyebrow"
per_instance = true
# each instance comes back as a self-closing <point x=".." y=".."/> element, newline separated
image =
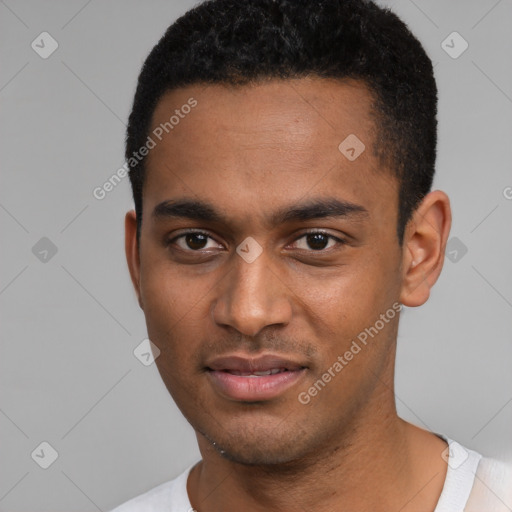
<point x="320" y="208"/>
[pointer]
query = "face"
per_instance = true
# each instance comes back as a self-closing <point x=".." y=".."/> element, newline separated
<point x="265" y="253"/>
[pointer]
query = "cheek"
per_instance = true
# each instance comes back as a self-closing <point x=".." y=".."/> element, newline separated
<point x="176" y="325"/>
<point x="351" y="295"/>
<point x="167" y="294"/>
<point x="176" y="310"/>
<point x="347" y="305"/>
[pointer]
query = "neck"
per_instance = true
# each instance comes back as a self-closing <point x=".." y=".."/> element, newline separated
<point x="381" y="463"/>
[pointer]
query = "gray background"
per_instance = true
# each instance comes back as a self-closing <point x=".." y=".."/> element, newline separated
<point x="69" y="324"/>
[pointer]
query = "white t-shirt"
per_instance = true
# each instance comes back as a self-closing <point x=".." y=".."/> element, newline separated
<point x="472" y="484"/>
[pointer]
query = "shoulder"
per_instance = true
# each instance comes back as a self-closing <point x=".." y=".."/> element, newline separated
<point x="492" y="488"/>
<point x="169" y="497"/>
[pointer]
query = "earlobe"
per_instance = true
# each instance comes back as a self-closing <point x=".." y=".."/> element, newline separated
<point x="132" y="252"/>
<point x="424" y="245"/>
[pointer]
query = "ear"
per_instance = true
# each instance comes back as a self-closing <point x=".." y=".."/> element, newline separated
<point x="132" y="252"/>
<point x="424" y="245"/>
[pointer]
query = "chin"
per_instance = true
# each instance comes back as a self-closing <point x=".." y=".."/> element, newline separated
<point x="263" y="448"/>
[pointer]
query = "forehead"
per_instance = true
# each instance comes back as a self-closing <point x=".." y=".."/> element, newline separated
<point x="311" y="111"/>
<point x="268" y="143"/>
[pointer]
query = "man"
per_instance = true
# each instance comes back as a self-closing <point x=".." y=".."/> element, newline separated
<point x="282" y="155"/>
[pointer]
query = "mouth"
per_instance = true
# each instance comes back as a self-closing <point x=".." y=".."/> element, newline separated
<point x="271" y="371"/>
<point x="253" y="379"/>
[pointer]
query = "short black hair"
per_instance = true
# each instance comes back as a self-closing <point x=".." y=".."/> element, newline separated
<point x="239" y="42"/>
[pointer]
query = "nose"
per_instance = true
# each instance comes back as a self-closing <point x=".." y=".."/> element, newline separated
<point x="252" y="297"/>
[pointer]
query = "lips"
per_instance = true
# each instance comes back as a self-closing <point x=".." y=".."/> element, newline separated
<point x="257" y="373"/>
<point x="249" y="365"/>
<point x="253" y="379"/>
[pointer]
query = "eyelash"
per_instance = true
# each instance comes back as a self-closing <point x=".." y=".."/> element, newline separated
<point x="340" y="241"/>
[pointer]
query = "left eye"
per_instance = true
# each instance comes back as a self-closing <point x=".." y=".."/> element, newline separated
<point x="318" y="241"/>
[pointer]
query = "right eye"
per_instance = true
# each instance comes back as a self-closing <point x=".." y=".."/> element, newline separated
<point x="192" y="241"/>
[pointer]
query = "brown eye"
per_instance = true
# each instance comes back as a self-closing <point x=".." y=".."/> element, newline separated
<point x="317" y="241"/>
<point x="196" y="240"/>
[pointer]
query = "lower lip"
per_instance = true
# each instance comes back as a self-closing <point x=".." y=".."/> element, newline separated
<point x="253" y="389"/>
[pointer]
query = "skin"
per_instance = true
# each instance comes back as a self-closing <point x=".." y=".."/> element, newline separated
<point x="250" y="151"/>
